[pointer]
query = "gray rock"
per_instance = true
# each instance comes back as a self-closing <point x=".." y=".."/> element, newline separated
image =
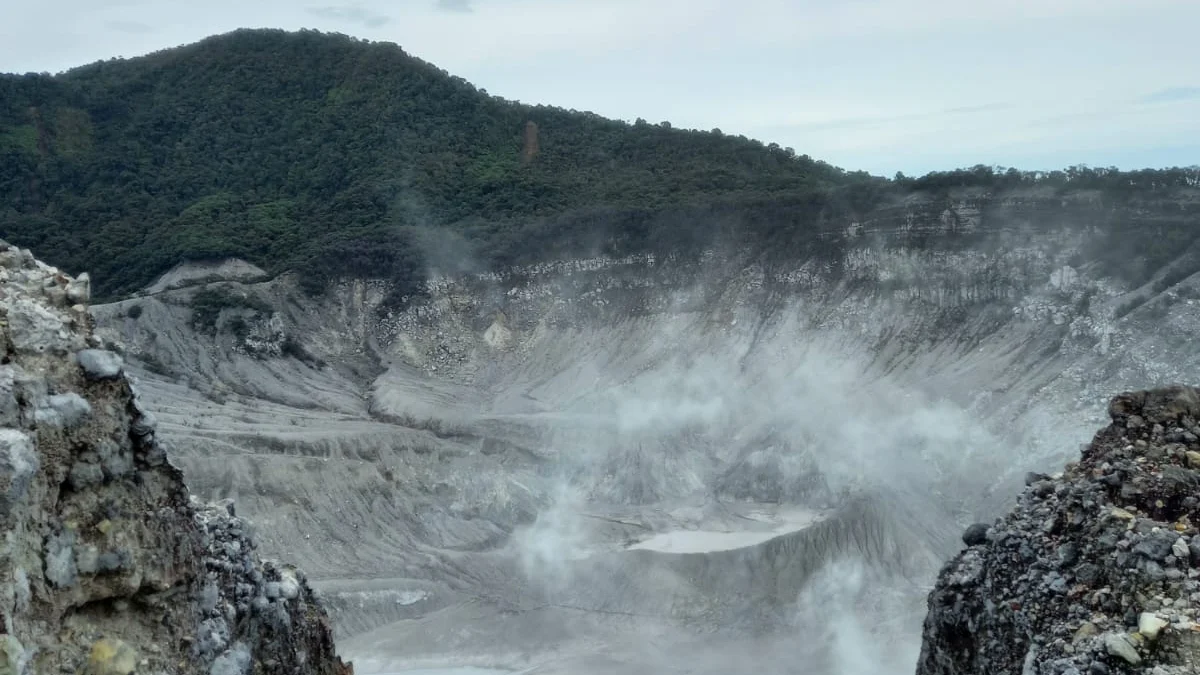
<point x="65" y="411"/>
<point x="208" y="598"/>
<point x="34" y="329"/>
<point x="212" y="637"/>
<point x="1149" y="624"/>
<point x="1156" y="545"/>
<point x="289" y="587"/>
<point x="19" y="463"/>
<point x="12" y="656"/>
<point x="1120" y="645"/>
<point x="60" y="560"/>
<point x="144" y="425"/>
<point x="1068" y="554"/>
<point x="111" y="561"/>
<point x="10" y="413"/>
<point x="79" y="290"/>
<point x="1058" y="585"/>
<point x="1180" y="549"/>
<point x="87" y="560"/>
<point x="99" y="364"/>
<point x="1087" y="573"/>
<point x="116" y="461"/>
<point x="235" y="661"/>
<point x="84" y="475"/>
<point x="22" y="593"/>
<point x="1154" y="571"/>
<point x="975" y="534"/>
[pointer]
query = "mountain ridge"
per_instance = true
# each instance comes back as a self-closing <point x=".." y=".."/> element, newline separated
<point x="331" y="156"/>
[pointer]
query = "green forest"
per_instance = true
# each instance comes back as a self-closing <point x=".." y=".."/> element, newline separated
<point x="328" y="154"/>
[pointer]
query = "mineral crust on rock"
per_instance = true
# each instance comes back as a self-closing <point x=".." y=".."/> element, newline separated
<point x="1096" y="570"/>
<point x="107" y="566"/>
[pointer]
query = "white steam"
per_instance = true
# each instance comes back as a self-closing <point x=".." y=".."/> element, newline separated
<point x="688" y="436"/>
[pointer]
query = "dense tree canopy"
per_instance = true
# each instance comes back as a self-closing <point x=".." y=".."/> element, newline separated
<point x="329" y="154"/>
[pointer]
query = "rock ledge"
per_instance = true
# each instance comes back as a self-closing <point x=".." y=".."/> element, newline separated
<point x="107" y="566"/>
<point x="1096" y="570"/>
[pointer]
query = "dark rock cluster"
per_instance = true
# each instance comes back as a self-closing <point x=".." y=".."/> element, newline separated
<point x="288" y="626"/>
<point x="1096" y="570"/>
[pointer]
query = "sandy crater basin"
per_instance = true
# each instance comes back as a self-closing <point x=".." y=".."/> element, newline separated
<point x="759" y="527"/>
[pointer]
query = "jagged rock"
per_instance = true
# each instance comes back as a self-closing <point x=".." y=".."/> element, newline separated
<point x="1180" y="549"/>
<point x="235" y="661"/>
<point x="35" y="329"/>
<point x="975" y="534"/>
<point x="99" y="364"/>
<point x="102" y="538"/>
<point x="18" y="465"/>
<point x="1034" y="477"/>
<point x="1150" y="624"/>
<point x="1156" y="545"/>
<point x="12" y="656"/>
<point x="1107" y="546"/>
<point x="8" y="400"/>
<point x="79" y="290"/>
<point x="63" y="410"/>
<point x="1121" y="646"/>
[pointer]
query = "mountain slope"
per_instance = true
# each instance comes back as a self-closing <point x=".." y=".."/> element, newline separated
<point x="272" y="146"/>
<point x="338" y="157"/>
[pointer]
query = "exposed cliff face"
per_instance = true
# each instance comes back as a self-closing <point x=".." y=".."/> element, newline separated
<point x="107" y="566"/>
<point x="1096" y="570"/>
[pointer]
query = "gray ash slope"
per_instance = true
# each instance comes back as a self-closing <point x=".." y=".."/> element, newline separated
<point x="1096" y="569"/>
<point x="658" y="464"/>
<point x="107" y="565"/>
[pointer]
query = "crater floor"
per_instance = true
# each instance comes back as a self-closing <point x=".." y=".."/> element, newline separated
<point x="644" y="465"/>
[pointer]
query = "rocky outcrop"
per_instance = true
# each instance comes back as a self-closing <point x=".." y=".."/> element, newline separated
<point x="107" y="566"/>
<point x="1096" y="570"/>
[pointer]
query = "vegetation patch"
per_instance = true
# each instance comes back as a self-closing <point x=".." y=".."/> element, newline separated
<point x="19" y="139"/>
<point x="208" y="303"/>
<point x="155" y="364"/>
<point x="317" y="153"/>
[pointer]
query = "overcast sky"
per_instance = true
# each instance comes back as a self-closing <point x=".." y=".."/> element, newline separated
<point x="880" y="85"/>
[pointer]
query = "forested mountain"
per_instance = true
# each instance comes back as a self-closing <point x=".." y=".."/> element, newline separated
<point x="326" y="153"/>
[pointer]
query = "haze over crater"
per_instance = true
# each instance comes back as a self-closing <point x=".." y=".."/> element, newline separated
<point x="529" y="389"/>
